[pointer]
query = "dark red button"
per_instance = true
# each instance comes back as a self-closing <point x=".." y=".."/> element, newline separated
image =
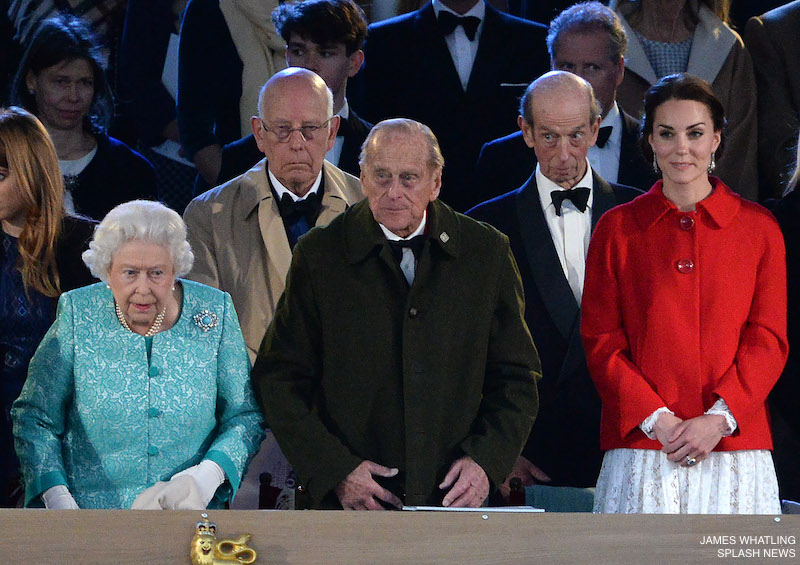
<point x="685" y="266"/>
<point x="686" y="222"/>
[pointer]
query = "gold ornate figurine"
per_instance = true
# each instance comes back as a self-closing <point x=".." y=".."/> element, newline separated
<point x="206" y="550"/>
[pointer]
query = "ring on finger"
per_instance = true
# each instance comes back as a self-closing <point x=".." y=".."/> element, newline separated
<point x="690" y="461"/>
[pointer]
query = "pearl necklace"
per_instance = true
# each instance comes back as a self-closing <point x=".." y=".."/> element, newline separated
<point x="154" y="329"/>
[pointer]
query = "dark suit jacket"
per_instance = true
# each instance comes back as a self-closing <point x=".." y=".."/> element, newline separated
<point x="508" y="162"/>
<point x="74" y="240"/>
<point x="115" y="175"/>
<point x="772" y="40"/>
<point x="240" y="156"/>
<point x="408" y="72"/>
<point x="784" y="401"/>
<point x="565" y="439"/>
<point x="357" y="372"/>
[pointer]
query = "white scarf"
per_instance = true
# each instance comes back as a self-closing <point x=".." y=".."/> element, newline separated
<point x="260" y="48"/>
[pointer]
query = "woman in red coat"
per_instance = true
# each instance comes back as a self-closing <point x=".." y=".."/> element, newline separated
<point x="684" y="324"/>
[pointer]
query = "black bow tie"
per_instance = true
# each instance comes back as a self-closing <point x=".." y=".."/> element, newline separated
<point x="579" y="197"/>
<point x="307" y="208"/>
<point x="448" y="22"/>
<point x="414" y="244"/>
<point x="602" y="137"/>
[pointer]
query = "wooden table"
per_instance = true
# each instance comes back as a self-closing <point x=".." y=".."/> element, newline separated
<point x="111" y="537"/>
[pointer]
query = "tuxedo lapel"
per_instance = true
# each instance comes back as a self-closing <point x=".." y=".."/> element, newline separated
<point x="542" y="260"/>
<point x="351" y="147"/>
<point x="438" y="66"/>
<point x="604" y="198"/>
<point x="633" y="169"/>
<point x="488" y="61"/>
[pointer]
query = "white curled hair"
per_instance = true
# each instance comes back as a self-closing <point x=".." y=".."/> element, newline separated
<point x="141" y="220"/>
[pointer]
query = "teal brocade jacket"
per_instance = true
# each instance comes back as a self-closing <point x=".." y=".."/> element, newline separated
<point x="101" y="416"/>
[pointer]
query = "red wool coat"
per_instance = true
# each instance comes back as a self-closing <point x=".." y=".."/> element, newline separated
<point x="682" y="308"/>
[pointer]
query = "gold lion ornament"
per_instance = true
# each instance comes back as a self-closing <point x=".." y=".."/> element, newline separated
<point x="206" y="550"/>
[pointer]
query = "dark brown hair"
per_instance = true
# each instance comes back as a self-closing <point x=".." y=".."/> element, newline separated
<point x="680" y="86"/>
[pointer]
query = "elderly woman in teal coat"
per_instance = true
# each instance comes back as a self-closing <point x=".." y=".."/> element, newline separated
<point x="139" y="395"/>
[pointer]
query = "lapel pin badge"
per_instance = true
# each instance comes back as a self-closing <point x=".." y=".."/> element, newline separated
<point x="444" y="237"/>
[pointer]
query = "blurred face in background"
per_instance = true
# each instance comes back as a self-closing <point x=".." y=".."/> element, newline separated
<point x="586" y="54"/>
<point x="63" y="93"/>
<point x="330" y="61"/>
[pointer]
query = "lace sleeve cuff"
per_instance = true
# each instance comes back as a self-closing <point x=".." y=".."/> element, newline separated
<point x="650" y="422"/>
<point x="720" y="408"/>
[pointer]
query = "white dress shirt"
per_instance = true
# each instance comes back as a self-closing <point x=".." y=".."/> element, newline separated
<point x="570" y="231"/>
<point x="408" y="263"/>
<point x="335" y="153"/>
<point x="462" y="50"/>
<point x="280" y="189"/>
<point x="605" y="160"/>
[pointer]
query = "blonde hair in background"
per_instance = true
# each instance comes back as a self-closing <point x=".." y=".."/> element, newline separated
<point x="28" y="153"/>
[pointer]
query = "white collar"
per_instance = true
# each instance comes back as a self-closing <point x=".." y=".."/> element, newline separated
<point x="391" y="236"/>
<point x="280" y="190"/>
<point x="613" y="118"/>
<point x="546" y="186"/>
<point x="344" y="112"/>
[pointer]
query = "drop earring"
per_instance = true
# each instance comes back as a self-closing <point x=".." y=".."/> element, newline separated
<point x="712" y="165"/>
<point x="655" y="164"/>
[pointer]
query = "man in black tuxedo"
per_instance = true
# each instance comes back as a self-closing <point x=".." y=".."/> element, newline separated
<point x="587" y="39"/>
<point x="458" y="66"/>
<point x="772" y="39"/>
<point x="325" y="36"/>
<point x="548" y="221"/>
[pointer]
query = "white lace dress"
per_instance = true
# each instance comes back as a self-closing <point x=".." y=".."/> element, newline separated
<point x="728" y="482"/>
<point x="644" y="481"/>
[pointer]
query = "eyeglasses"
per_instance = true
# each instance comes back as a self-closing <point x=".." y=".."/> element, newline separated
<point x="283" y="132"/>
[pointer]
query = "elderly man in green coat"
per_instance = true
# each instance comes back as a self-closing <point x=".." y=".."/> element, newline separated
<point x="398" y="368"/>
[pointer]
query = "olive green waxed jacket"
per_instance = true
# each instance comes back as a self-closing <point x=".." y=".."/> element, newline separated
<point x="358" y="366"/>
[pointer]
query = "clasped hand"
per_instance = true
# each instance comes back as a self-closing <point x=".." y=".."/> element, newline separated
<point x="526" y="472"/>
<point x="694" y="438"/>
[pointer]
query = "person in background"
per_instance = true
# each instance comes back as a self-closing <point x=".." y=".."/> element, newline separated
<point x="549" y="225"/>
<point x="589" y="41"/>
<point x="784" y="401"/>
<point x="684" y="326"/>
<point x="772" y="41"/>
<point x="60" y="79"/>
<point x="243" y="231"/>
<point x="398" y="368"/>
<point x="139" y="394"/>
<point x="324" y="36"/>
<point x="148" y="85"/>
<point x="40" y="256"/>
<point x="228" y="49"/>
<point x="458" y="66"/>
<point x="692" y="36"/>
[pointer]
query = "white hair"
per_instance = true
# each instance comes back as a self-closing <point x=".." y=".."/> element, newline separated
<point x="141" y="220"/>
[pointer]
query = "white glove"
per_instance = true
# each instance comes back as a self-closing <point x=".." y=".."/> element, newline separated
<point x="191" y="489"/>
<point x="59" y="498"/>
